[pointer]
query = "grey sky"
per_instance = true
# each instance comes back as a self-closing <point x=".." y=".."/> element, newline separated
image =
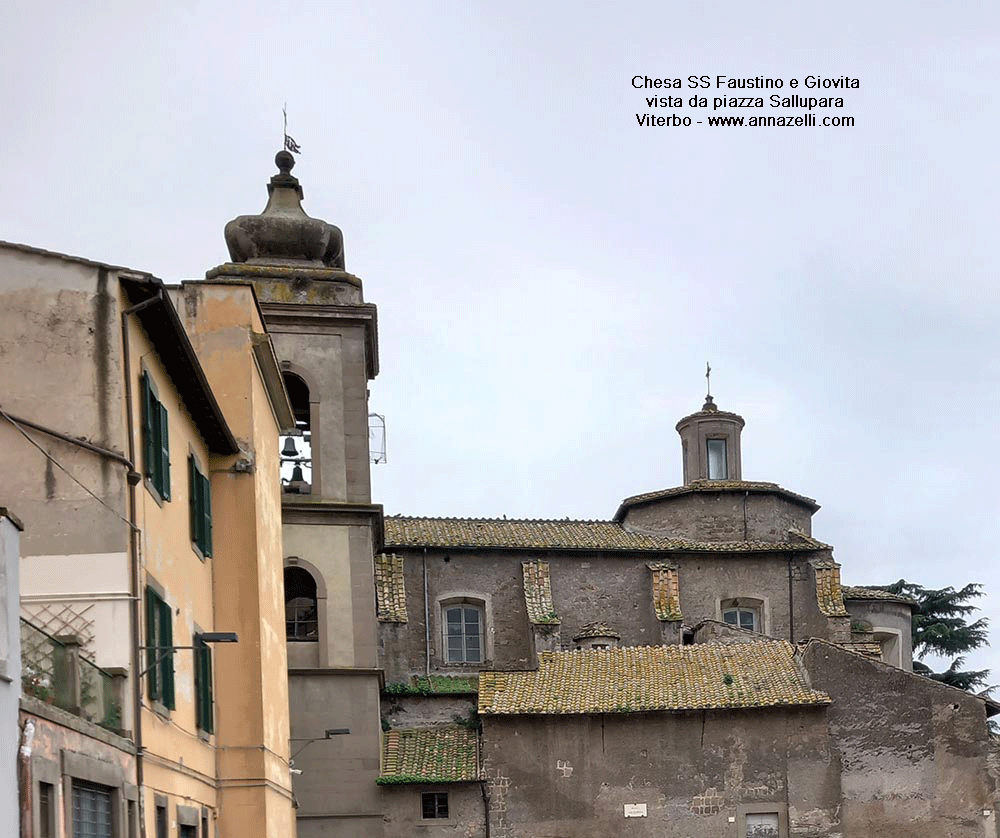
<point x="551" y="278"/>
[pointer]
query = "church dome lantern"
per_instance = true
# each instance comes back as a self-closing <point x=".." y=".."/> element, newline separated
<point x="710" y="444"/>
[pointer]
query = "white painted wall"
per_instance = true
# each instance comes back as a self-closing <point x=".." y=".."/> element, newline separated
<point x="10" y="666"/>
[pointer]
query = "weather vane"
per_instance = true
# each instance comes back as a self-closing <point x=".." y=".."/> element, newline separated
<point x="290" y="144"/>
<point x="708" y="379"/>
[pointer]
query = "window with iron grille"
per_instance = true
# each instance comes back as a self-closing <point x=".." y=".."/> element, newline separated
<point x="200" y="504"/>
<point x="204" y="717"/>
<point x="434" y="804"/>
<point x="91" y="811"/>
<point x="300" y="605"/>
<point x="156" y="440"/>
<point x="46" y="810"/>
<point x="159" y="649"/>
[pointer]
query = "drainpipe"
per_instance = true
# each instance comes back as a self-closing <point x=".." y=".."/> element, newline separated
<point x="427" y="624"/>
<point x="791" y="615"/>
<point x="134" y="559"/>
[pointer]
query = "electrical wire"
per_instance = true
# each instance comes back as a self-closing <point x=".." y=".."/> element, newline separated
<point x="62" y="468"/>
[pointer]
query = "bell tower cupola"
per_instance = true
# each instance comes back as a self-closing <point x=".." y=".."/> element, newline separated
<point x="710" y="444"/>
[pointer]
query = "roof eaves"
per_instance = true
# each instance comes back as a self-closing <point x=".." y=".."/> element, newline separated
<point x="167" y="334"/>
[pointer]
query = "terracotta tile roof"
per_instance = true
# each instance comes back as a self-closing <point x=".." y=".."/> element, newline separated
<point x="430" y="755"/>
<point x="868" y="648"/>
<point x="666" y="591"/>
<point x="714" y="486"/>
<point x="650" y="678"/>
<point x="538" y="593"/>
<point x="390" y="589"/>
<point x="597" y="629"/>
<point x="851" y="592"/>
<point x="496" y="533"/>
<point x="828" y="591"/>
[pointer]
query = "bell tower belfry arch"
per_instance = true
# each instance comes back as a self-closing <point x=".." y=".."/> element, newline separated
<point x="325" y="337"/>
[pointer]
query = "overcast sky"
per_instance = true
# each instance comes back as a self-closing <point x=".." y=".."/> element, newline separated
<point x="551" y="278"/>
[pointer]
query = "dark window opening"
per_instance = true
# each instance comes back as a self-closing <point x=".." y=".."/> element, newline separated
<point x="91" y="811"/>
<point x="161" y="822"/>
<point x="434" y="804"/>
<point x="296" y="449"/>
<point x="46" y="810"/>
<point x="301" y="621"/>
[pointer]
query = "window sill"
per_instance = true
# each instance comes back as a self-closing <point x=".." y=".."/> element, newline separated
<point x="153" y="491"/>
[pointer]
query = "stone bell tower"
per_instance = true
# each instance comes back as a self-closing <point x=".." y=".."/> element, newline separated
<point x="325" y="337"/>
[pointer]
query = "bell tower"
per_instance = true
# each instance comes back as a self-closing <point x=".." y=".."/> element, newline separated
<point x="325" y="337"/>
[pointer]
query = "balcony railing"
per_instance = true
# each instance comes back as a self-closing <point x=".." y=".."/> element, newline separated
<point x="53" y="671"/>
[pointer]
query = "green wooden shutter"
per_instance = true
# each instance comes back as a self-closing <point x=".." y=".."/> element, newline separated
<point x="207" y="690"/>
<point x="164" y="453"/>
<point x="193" y="499"/>
<point x="203" y="686"/>
<point x="149" y="446"/>
<point x="206" y="511"/>
<point x="167" y="640"/>
<point x="152" y="654"/>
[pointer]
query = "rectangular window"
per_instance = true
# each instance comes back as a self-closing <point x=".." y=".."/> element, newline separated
<point x="718" y="466"/>
<point x="188" y="831"/>
<point x="159" y="654"/>
<point x="200" y="503"/>
<point x="161" y="822"/>
<point x="46" y="810"/>
<point x="156" y="439"/>
<point x="91" y="811"/>
<point x="464" y="634"/>
<point x="203" y="685"/>
<point x="762" y="825"/>
<point x="434" y="804"/>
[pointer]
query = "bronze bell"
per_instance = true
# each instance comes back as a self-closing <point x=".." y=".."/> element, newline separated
<point x="297" y="475"/>
<point x="289" y="450"/>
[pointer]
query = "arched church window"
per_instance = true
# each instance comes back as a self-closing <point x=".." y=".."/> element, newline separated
<point x="746" y="613"/>
<point x="296" y="450"/>
<point x="301" y="620"/>
<point x="463" y="633"/>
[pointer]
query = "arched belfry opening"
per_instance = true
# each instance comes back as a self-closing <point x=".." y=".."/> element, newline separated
<point x="296" y="449"/>
<point x="301" y="611"/>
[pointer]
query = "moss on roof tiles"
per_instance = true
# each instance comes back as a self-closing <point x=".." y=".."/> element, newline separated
<point x="538" y="593"/>
<point x="493" y="533"/>
<point x="828" y="590"/>
<point x="429" y="755"/>
<point x="714" y="486"/>
<point x="853" y="592"/>
<point x="666" y="591"/>
<point x="390" y="589"/>
<point x="652" y="678"/>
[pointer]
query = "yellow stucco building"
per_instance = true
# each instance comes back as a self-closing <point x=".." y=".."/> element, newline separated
<point x="138" y="440"/>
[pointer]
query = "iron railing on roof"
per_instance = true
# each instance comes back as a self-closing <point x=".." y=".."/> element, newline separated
<point x="54" y="671"/>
